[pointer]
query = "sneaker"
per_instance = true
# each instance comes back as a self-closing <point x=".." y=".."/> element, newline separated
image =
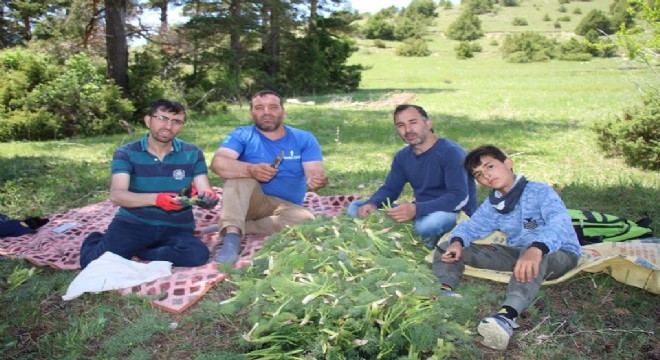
<point x="451" y="293"/>
<point x="497" y="331"/>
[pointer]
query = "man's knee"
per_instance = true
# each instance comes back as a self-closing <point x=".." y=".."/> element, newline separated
<point x="89" y="251"/>
<point x="353" y="207"/>
<point x="435" y="224"/>
<point x="295" y="215"/>
<point x="232" y="185"/>
<point x="197" y="257"/>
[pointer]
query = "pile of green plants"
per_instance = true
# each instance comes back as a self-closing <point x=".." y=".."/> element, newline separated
<point x="344" y="288"/>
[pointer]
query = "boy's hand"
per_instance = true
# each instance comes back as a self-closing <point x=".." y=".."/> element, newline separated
<point x="527" y="267"/>
<point x="452" y="253"/>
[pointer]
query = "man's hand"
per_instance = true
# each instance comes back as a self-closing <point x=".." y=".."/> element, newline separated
<point x="365" y="210"/>
<point x="168" y="201"/>
<point x="207" y="200"/>
<point x="403" y="212"/>
<point x="262" y="172"/>
<point x="527" y="266"/>
<point x="317" y="181"/>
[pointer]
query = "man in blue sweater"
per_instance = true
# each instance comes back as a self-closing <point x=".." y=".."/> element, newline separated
<point x="434" y="169"/>
<point x="541" y="242"/>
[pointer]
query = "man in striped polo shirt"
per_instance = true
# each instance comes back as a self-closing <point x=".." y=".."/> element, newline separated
<point x="147" y="177"/>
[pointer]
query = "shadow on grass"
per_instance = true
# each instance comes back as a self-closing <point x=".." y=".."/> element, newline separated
<point x="27" y="167"/>
<point x="36" y="185"/>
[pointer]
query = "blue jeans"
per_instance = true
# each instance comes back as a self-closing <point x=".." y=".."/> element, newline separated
<point x="148" y="242"/>
<point x="433" y="224"/>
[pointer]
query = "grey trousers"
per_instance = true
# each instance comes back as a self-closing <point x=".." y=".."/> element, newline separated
<point x="497" y="257"/>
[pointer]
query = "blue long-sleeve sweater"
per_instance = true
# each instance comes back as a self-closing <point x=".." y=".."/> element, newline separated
<point x="437" y="177"/>
<point x="539" y="216"/>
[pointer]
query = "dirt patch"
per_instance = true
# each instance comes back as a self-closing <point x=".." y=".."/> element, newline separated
<point x="393" y="99"/>
<point x="387" y="100"/>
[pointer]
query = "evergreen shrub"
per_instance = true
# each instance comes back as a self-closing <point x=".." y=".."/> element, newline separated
<point x="574" y="50"/>
<point x="464" y="50"/>
<point x="413" y="47"/>
<point x="528" y="47"/>
<point x="518" y="21"/>
<point x="595" y="20"/>
<point x="635" y="134"/>
<point x="466" y="27"/>
<point x="43" y="100"/>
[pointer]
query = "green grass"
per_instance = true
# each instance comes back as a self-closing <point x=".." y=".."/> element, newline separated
<point x="539" y="113"/>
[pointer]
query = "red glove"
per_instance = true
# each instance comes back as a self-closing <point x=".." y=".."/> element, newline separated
<point x="189" y="192"/>
<point x="208" y="200"/>
<point x="167" y="201"/>
<point x="193" y="190"/>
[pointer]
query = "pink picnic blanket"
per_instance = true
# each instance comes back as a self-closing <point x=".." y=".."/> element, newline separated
<point x="174" y="294"/>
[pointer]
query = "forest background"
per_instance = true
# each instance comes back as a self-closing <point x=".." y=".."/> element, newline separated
<point x="573" y="101"/>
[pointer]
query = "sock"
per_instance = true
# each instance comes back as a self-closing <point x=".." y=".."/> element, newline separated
<point x="231" y="247"/>
<point x="508" y="312"/>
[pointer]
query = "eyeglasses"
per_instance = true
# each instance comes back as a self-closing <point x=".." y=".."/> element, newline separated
<point x="164" y="119"/>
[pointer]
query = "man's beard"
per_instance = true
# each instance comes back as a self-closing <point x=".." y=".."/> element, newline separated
<point x="420" y="139"/>
<point x="268" y="128"/>
<point x="156" y="136"/>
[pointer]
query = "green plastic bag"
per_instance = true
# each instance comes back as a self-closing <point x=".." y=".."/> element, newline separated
<point x="594" y="227"/>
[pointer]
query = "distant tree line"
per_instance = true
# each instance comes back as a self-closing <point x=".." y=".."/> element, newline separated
<point x="69" y="69"/>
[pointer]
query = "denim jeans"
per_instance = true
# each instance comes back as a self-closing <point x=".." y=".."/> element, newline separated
<point x="148" y="242"/>
<point x="433" y="224"/>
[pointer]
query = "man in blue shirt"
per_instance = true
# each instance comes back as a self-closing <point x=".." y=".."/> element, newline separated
<point x="434" y="168"/>
<point x="267" y="167"/>
<point x="148" y="175"/>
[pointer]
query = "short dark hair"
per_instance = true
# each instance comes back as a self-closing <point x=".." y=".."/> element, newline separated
<point x="167" y="106"/>
<point x="473" y="158"/>
<point x="403" y="107"/>
<point x="264" y="93"/>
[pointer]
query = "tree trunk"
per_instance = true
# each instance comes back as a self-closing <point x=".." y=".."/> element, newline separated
<point x="90" y="28"/>
<point x="313" y="14"/>
<point x="235" y="39"/>
<point x="274" y="41"/>
<point x="27" y="29"/>
<point x="3" y="26"/>
<point x="116" y="43"/>
<point x="164" y="25"/>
